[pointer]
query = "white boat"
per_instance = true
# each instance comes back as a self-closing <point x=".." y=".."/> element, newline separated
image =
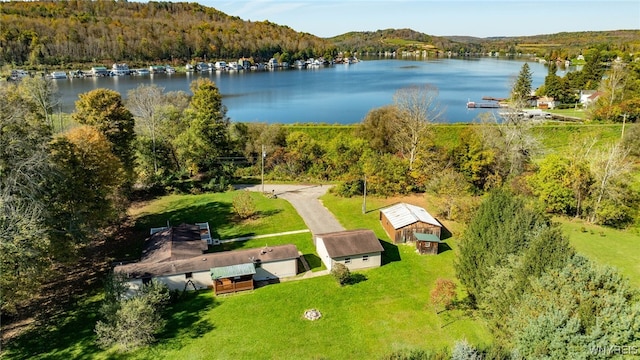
<point x="220" y="65"/>
<point x="120" y="69"/>
<point x="142" y="72"/>
<point x="156" y="69"/>
<point x="170" y="69"/>
<point x="58" y="75"/>
<point x="234" y="66"/>
<point x="188" y="68"/>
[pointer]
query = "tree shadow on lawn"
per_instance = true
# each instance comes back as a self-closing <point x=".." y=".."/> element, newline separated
<point x="185" y="319"/>
<point x="391" y="252"/>
<point x="356" y="278"/>
<point x="61" y="335"/>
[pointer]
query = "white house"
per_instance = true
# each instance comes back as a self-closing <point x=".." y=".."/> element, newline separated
<point x="357" y="249"/>
<point x="589" y="97"/>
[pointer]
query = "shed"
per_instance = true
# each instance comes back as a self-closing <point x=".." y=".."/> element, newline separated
<point x="427" y="243"/>
<point x="356" y="249"/>
<point x="402" y="220"/>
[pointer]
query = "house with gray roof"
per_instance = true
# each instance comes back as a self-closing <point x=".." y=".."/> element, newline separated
<point x="177" y="257"/>
<point x="356" y="249"/>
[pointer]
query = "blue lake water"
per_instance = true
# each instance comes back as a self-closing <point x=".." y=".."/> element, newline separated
<point x="341" y="94"/>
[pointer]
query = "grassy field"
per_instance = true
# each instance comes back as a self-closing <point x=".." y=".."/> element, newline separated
<point x="606" y="246"/>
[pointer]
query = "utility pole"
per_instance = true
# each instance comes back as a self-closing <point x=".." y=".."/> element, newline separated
<point x="364" y="198"/>
<point x="262" y="171"/>
<point x="624" y="120"/>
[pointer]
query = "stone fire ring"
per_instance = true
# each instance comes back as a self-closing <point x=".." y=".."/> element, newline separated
<point x="312" y="314"/>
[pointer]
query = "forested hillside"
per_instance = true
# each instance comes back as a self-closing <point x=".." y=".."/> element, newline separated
<point x="54" y="33"/>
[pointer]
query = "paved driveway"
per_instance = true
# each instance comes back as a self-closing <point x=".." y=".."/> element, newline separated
<point x="304" y="199"/>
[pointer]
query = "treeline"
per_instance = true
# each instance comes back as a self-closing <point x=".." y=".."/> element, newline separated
<point x="63" y="32"/>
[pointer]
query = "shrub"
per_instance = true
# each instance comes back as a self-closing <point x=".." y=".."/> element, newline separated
<point x="243" y="205"/>
<point x="341" y="273"/>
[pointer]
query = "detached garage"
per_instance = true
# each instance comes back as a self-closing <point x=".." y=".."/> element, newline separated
<point x="356" y="249"/>
<point x="402" y="221"/>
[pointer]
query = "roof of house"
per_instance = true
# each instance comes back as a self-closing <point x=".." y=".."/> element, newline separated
<point x="401" y="215"/>
<point x="350" y="242"/>
<point x="175" y="243"/>
<point x="208" y="261"/>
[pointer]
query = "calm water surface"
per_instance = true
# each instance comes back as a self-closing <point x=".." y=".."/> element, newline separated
<point x="334" y="94"/>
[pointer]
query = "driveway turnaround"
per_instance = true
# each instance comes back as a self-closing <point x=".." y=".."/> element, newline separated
<point x="304" y="199"/>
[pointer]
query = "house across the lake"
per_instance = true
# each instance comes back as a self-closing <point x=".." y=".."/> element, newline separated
<point x="176" y="256"/>
<point x="402" y="221"/>
<point x="356" y="249"/>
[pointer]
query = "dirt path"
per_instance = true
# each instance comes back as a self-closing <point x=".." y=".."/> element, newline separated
<point x="304" y="199"/>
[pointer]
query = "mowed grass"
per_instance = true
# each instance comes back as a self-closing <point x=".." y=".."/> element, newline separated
<point x="388" y="310"/>
<point x="606" y="246"/>
<point x="273" y="215"/>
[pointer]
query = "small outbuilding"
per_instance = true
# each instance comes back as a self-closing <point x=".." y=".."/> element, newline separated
<point x="427" y="243"/>
<point x="402" y="221"/>
<point x="356" y="249"/>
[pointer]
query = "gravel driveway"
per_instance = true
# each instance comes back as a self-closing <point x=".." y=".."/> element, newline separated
<point x="304" y="199"/>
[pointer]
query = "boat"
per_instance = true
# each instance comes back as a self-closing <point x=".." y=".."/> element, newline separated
<point x="156" y="69"/>
<point x="220" y="65"/>
<point x="170" y="69"/>
<point x="142" y="71"/>
<point x="202" y="67"/>
<point x="485" y="105"/>
<point x="120" y="69"/>
<point x="233" y="65"/>
<point x="58" y="75"/>
<point x="188" y="68"/>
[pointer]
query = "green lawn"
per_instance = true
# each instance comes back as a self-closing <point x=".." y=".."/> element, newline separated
<point x="606" y="246"/>
<point x="274" y="215"/>
<point x="387" y="310"/>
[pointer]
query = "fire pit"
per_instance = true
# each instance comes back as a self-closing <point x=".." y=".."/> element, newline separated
<point x="312" y="314"/>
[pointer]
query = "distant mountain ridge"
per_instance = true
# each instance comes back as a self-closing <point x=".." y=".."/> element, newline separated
<point x="51" y="33"/>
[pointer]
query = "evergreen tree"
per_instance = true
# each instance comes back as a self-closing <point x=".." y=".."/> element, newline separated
<point x="206" y="136"/>
<point x="522" y="88"/>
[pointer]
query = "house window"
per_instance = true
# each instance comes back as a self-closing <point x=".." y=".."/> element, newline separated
<point x="365" y="257"/>
<point x="427" y="244"/>
<point x="188" y="275"/>
<point x="347" y="260"/>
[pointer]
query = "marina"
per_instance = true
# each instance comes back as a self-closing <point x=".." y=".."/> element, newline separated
<point x="333" y="94"/>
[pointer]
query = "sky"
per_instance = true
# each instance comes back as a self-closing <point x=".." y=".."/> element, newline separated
<point x="328" y="18"/>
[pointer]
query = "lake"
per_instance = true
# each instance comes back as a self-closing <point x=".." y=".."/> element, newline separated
<point x="337" y="94"/>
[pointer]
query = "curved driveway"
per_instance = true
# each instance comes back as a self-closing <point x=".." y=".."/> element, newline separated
<point x="304" y="199"/>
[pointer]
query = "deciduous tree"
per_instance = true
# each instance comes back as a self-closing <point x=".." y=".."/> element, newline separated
<point x="105" y="110"/>
<point x="418" y="109"/>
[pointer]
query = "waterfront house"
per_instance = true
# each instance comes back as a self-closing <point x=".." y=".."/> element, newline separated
<point x="402" y="221"/>
<point x="589" y="97"/>
<point x="356" y="249"/>
<point x="545" y="102"/>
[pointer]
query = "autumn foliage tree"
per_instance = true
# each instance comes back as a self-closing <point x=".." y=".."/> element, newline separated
<point x="105" y="110"/>
<point x="443" y="293"/>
